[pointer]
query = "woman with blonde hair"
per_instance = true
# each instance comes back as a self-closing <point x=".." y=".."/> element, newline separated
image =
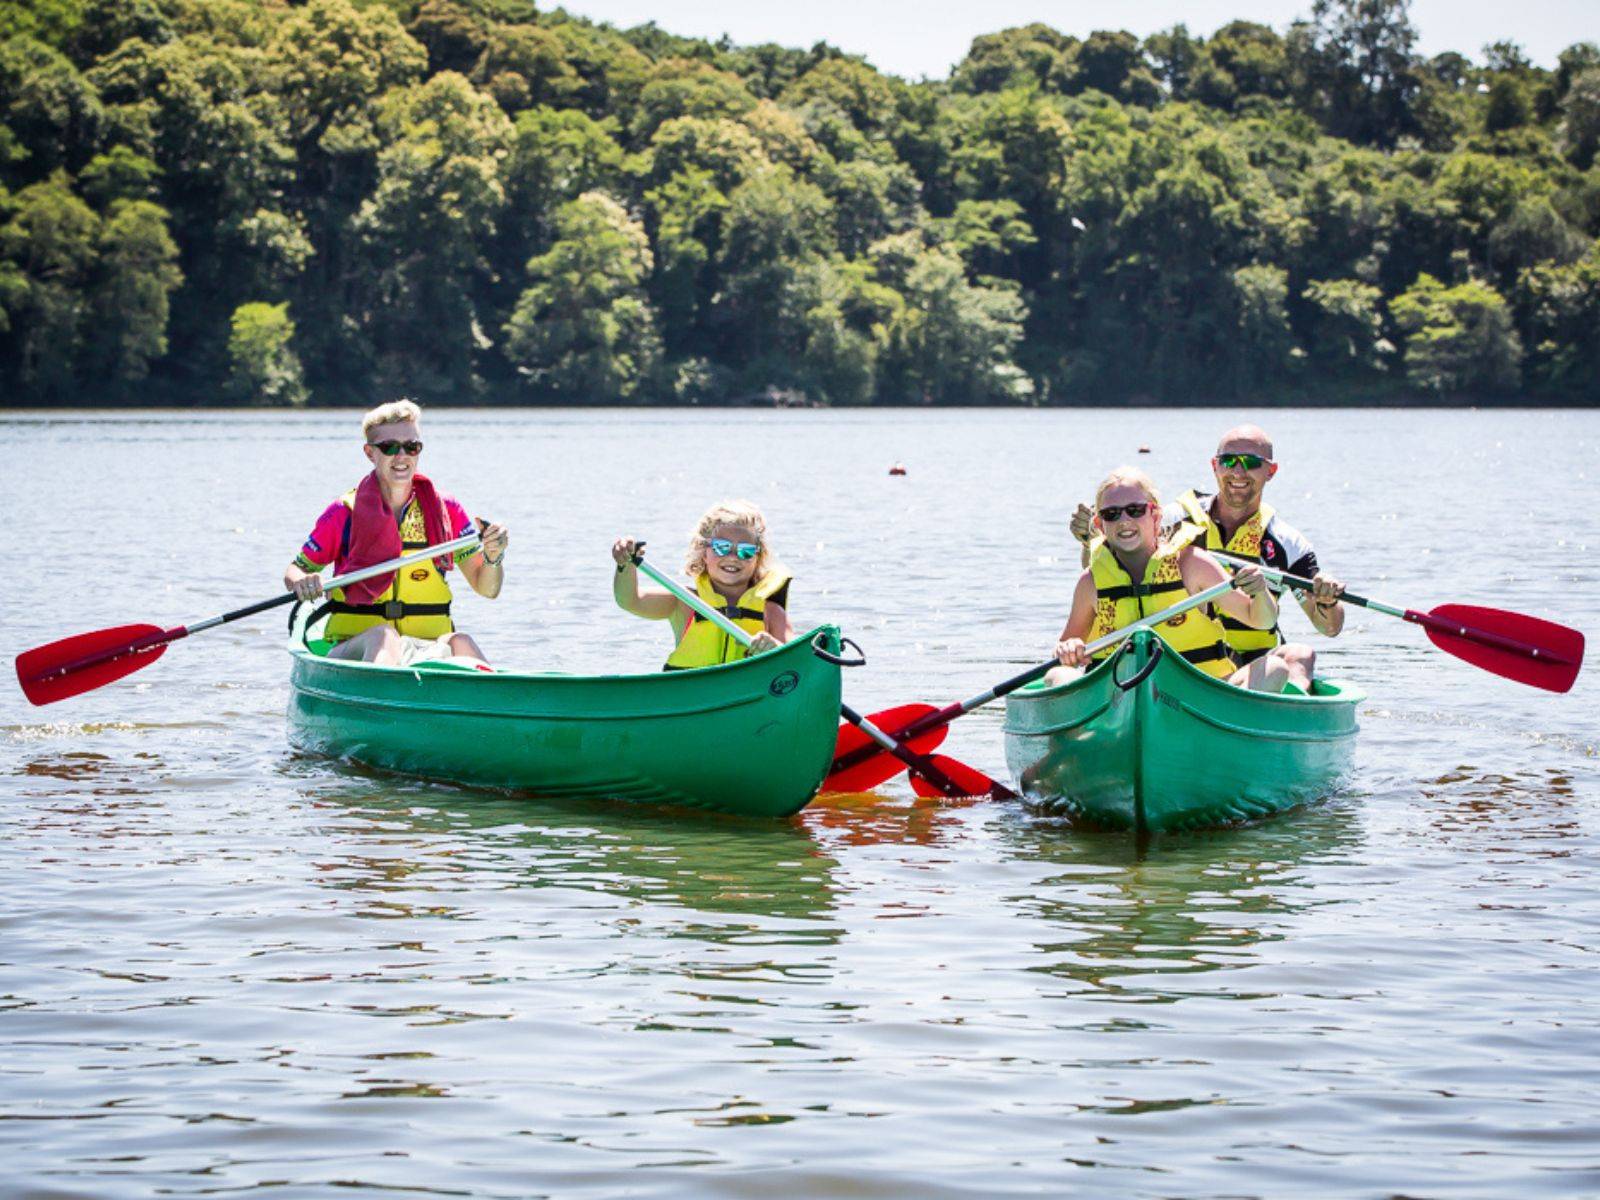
<point x="732" y="568"/>
<point x="403" y="617"/>
<point x="1133" y="574"/>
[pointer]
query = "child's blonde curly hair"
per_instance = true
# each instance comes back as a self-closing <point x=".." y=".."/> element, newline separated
<point x="730" y="512"/>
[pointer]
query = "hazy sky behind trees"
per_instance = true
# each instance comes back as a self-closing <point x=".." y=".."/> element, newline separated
<point x="913" y="38"/>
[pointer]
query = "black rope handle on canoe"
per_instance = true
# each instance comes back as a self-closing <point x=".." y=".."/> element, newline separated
<point x="1143" y="672"/>
<point x="860" y="660"/>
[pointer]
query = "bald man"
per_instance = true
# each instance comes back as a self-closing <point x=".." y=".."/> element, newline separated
<point x="1235" y="520"/>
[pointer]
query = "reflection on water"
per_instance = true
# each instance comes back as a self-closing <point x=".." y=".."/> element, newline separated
<point x="226" y="968"/>
<point x="705" y="863"/>
<point x="1135" y="916"/>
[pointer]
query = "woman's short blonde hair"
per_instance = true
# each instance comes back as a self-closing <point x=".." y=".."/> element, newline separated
<point x="1131" y="477"/>
<point x="389" y="414"/>
<point x="730" y="512"/>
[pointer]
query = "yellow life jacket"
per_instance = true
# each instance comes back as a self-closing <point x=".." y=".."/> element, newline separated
<point x="1119" y="602"/>
<point x="417" y="602"/>
<point x="705" y="645"/>
<point x="1247" y="644"/>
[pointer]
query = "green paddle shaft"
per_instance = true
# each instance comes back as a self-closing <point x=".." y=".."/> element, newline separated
<point x="915" y="761"/>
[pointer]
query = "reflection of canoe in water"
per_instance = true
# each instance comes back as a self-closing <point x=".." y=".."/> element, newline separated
<point x="753" y="738"/>
<point x="1146" y="742"/>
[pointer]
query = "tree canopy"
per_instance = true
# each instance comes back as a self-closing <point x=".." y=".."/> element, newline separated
<point x="483" y="201"/>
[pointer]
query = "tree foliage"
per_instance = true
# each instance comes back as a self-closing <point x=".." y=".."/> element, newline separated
<point x="487" y="201"/>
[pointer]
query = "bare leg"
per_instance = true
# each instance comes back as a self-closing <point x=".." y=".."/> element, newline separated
<point x="1056" y="676"/>
<point x="462" y="646"/>
<point x="1266" y="674"/>
<point x="1300" y="662"/>
<point x="380" y="644"/>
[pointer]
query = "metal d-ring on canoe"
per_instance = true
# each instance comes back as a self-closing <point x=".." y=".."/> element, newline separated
<point x="1146" y="742"/>
<point x="753" y="738"/>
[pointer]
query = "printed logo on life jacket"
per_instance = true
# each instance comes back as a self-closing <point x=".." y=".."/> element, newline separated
<point x="1269" y="550"/>
<point x="418" y="574"/>
<point x="782" y="685"/>
<point x="1178" y="620"/>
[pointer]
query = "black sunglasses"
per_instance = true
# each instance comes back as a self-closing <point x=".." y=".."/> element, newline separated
<point x="1113" y="512"/>
<point x="391" y="448"/>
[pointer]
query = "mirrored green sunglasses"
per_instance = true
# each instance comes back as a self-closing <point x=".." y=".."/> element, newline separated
<point x="722" y="547"/>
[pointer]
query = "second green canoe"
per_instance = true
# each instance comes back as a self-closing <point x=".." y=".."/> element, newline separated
<point x="753" y="738"/>
<point x="1146" y="742"/>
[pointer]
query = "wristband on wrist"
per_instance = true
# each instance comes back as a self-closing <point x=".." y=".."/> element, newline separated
<point x="494" y="562"/>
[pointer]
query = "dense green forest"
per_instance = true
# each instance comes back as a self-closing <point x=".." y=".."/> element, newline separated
<point x="212" y="202"/>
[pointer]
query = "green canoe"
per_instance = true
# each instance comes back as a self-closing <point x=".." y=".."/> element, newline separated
<point x="753" y="738"/>
<point x="1148" y="743"/>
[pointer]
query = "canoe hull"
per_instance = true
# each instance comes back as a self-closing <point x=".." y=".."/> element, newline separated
<point x="753" y="738"/>
<point x="1158" y="746"/>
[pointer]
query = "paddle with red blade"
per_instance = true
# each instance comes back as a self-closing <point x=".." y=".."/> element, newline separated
<point x="866" y="766"/>
<point x="87" y="661"/>
<point x="852" y="738"/>
<point x="1530" y="650"/>
<point x="946" y="775"/>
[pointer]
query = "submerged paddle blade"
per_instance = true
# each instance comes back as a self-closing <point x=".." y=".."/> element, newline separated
<point x="873" y="770"/>
<point x="1527" y="649"/>
<point x="86" y="661"/>
<point x="970" y="780"/>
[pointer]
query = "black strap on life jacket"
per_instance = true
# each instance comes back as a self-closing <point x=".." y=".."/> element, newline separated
<point x="1139" y="591"/>
<point x="1245" y="657"/>
<point x="1208" y="654"/>
<point x="389" y="610"/>
<point x="1236" y="624"/>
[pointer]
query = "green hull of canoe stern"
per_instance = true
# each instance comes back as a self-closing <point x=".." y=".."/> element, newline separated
<point x="753" y="738"/>
<point x="1170" y="748"/>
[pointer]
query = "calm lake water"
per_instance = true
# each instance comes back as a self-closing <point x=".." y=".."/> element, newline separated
<point x="225" y="967"/>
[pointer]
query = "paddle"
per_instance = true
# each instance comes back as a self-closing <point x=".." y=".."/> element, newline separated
<point x="1527" y="649"/>
<point x="89" y="660"/>
<point x="867" y="767"/>
<point x="952" y="778"/>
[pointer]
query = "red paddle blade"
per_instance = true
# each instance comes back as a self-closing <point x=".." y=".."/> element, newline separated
<point x="54" y="672"/>
<point x="968" y="780"/>
<point x="1538" y="653"/>
<point x="870" y="772"/>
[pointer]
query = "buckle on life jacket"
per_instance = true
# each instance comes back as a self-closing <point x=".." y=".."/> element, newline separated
<point x="393" y="610"/>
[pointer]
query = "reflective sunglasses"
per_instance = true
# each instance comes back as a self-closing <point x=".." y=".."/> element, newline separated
<point x="391" y="448"/>
<point x="1113" y="512"/>
<point x="1248" y="462"/>
<point x="722" y="547"/>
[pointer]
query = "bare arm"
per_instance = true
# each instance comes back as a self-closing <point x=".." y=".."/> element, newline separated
<point x="631" y="595"/>
<point x="1082" y="526"/>
<point x="307" y="585"/>
<point x="1251" y="601"/>
<point x="1069" y="649"/>
<point x="777" y="622"/>
<point x="1322" y="606"/>
<point x="484" y="569"/>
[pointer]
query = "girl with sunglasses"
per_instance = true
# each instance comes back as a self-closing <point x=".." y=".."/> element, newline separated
<point x="1132" y="573"/>
<point x="732" y="568"/>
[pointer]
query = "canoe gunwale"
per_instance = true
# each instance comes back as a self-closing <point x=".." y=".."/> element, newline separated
<point x="501" y="714"/>
<point x="1286" y="735"/>
<point x="1126" y="754"/>
<point x="620" y="737"/>
<point x="1064" y="727"/>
